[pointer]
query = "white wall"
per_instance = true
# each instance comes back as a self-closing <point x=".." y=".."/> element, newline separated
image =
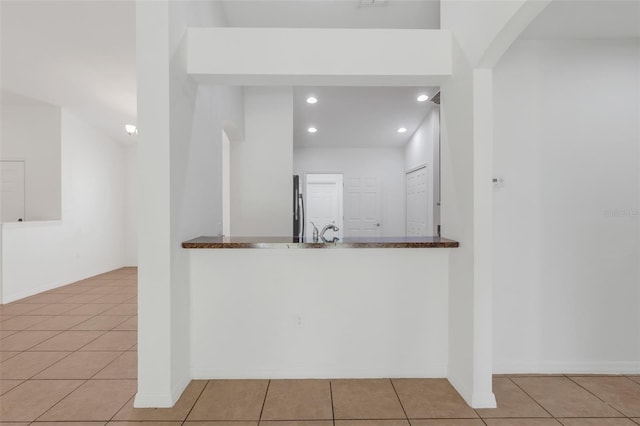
<point x="423" y="149"/>
<point x="89" y="240"/>
<point x="567" y="241"/>
<point x="262" y="165"/>
<point x="32" y="134"/>
<point x="368" y="320"/>
<point x="476" y="24"/>
<point x="387" y="164"/>
<point x="226" y="185"/>
<point x="231" y="106"/>
<point x="131" y="204"/>
<point x="419" y="150"/>
<point x="319" y="56"/>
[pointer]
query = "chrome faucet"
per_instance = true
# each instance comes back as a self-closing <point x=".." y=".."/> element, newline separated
<point x="333" y="228"/>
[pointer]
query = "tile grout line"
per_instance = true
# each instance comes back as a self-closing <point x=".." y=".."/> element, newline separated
<point x="32" y="325"/>
<point x="102" y="333"/>
<point x="333" y="414"/>
<point x="60" y="380"/>
<point x="591" y="393"/>
<point x="49" y="366"/>
<point x="119" y="409"/>
<point x="480" y="417"/>
<point x="47" y="339"/>
<point x="264" y="401"/>
<point x="111" y="329"/>
<point x="10" y="389"/>
<point x="571" y="380"/>
<point x="194" y="402"/>
<point x="84" y="381"/>
<point x="91" y="316"/>
<point x="60" y="400"/>
<point x="184" y="422"/>
<point x="399" y="400"/>
<point x="108" y="364"/>
<point x="532" y="398"/>
<point x="81" y="322"/>
<point x="628" y="377"/>
<point x="73" y="390"/>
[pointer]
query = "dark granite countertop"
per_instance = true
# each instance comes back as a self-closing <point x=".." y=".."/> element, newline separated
<point x="288" y="242"/>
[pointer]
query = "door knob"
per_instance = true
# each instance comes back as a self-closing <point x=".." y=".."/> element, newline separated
<point x="378" y="225"/>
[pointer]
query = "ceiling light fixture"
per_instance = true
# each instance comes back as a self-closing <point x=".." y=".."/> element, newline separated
<point x="312" y="100"/>
<point x="312" y="130"/>
<point x="423" y="98"/>
<point x="402" y="129"/>
<point x="130" y="129"/>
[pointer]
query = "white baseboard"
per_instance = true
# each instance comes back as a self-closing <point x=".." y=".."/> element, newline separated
<point x="177" y="391"/>
<point x="12" y="297"/>
<point x="209" y="373"/>
<point x="461" y="388"/>
<point x="161" y="399"/>
<point x="615" y="367"/>
<point x="473" y="399"/>
<point x="153" y="400"/>
<point x="483" y="400"/>
<point x="17" y="295"/>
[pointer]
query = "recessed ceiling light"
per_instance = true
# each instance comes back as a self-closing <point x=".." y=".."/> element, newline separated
<point x="312" y="130"/>
<point x="402" y="129"/>
<point x="312" y="100"/>
<point x="130" y="129"/>
<point x="422" y="98"/>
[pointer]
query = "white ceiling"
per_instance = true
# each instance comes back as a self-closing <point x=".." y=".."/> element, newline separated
<point x="358" y="116"/>
<point x="76" y="54"/>
<point x="15" y="99"/>
<point x="587" y="19"/>
<point x="81" y="55"/>
<point x="332" y="14"/>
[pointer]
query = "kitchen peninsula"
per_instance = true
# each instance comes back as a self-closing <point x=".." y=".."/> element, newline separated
<point x="286" y="312"/>
<point x="288" y="242"/>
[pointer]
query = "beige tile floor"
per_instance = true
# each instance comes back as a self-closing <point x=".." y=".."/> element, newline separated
<point x="68" y="357"/>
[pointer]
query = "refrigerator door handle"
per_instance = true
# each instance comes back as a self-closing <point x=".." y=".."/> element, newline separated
<point x="301" y="217"/>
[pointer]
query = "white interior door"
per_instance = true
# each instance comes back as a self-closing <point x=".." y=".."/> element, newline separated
<point x="363" y="207"/>
<point x="226" y="185"/>
<point x="324" y="198"/>
<point x="12" y="191"/>
<point x="418" y="212"/>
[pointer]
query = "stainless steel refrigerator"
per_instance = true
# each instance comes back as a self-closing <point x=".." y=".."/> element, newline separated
<point x="298" y="211"/>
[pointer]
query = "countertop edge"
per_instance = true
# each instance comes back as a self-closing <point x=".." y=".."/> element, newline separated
<point x="257" y="244"/>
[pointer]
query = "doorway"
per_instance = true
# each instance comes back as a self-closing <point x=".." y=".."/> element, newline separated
<point x="419" y="215"/>
<point x="324" y="194"/>
<point x="226" y="185"/>
<point x="12" y="191"/>
<point x="363" y="215"/>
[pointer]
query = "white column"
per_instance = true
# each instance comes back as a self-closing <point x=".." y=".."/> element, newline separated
<point x="482" y="395"/>
<point x="154" y="250"/>
<point x="482" y="32"/>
